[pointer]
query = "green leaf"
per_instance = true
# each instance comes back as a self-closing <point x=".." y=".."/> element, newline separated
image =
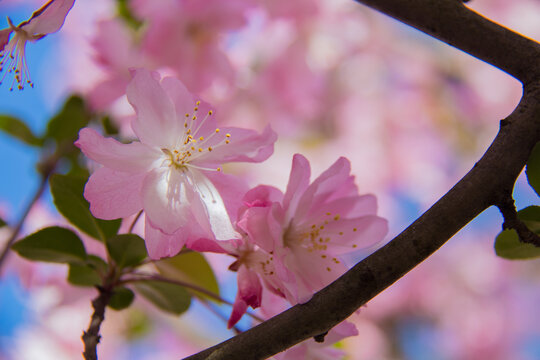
<point x="2" y="223"/>
<point x="533" y="169"/>
<point x="168" y="297"/>
<point x="97" y="263"/>
<point x="507" y="243"/>
<point x="121" y="298"/>
<point x="109" y="126"/>
<point x="67" y="192"/>
<point x="531" y="217"/>
<point x="126" y="249"/>
<point x="65" y="126"/>
<point x="190" y="267"/>
<point x="18" y="129"/>
<point x="83" y="275"/>
<point x="52" y="244"/>
<point x="508" y="246"/>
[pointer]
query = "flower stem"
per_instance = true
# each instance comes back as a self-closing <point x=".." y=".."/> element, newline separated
<point x="194" y="287"/>
<point x="91" y="336"/>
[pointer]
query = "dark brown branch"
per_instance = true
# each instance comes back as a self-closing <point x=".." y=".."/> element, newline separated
<point x="455" y="24"/>
<point x="91" y="336"/>
<point x="492" y="177"/>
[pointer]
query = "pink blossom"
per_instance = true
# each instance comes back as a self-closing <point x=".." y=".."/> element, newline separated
<point x="172" y="172"/>
<point x="46" y="20"/>
<point x="310" y="228"/>
<point x="117" y="52"/>
<point x="186" y="36"/>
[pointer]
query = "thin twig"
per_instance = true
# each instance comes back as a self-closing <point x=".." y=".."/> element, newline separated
<point x="91" y="336"/>
<point x="219" y="315"/>
<point x="135" y="221"/>
<point x="512" y="221"/>
<point x="155" y="277"/>
<point x="20" y="223"/>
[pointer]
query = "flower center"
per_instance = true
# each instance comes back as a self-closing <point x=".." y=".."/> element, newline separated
<point x="189" y="148"/>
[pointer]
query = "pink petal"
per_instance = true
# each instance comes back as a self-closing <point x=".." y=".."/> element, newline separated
<point x="324" y="186"/>
<point x="209" y="209"/>
<point x="238" y="310"/>
<point x="113" y="194"/>
<point x="106" y="92"/>
<point x="113" y="46"/>
<point x="132" y="158"/>
<point x="245" y="145"/>
<point x="249" y="287"/>
<point x="260" y="224"/>
<point x="182" y="99"/>
<point x="49" y="18"/>
<point x="231" y="188"/>
<point x="159" y="244"/>
<point x="156" y="122"/>
<point x="298" y="183"/>
<point x="167" y="199"/>
<point x="4" y="38"/>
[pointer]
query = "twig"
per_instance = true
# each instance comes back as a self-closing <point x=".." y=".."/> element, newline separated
<point x="43" y="184"/>
<point x="188" y="285"/>
<point x="511" y="221"/>
<point x="91" y="336"/>
<point x="135" y="221"/>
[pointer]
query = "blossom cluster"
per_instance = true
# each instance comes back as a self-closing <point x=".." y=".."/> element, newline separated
<point x="317" y="77"/>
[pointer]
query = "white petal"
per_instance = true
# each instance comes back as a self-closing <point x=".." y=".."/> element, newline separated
<point x="212" y="212"/>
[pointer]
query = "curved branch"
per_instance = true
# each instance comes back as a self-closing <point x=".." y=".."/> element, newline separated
<point x="491" y="177"/>
<point x="455" y="24"/>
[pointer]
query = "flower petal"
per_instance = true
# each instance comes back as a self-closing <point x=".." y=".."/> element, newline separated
<point x="209" y="209"/>
<point x="133" y="158"/>
<point x="4" y="38"/>
<point x="160" y="244"/>
<point x="245" y="145"/>
<point x="49" y="18"/>
<point x="113" y="194"/>
<point x="167" y="198"/>
<point x="298" y="183"/>
<point x="324" y="187"/>
<point x="156" y="122"/>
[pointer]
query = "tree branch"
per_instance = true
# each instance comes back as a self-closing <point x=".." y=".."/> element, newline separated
<point x="91" y="336"/>
<point x="491" y="177"/>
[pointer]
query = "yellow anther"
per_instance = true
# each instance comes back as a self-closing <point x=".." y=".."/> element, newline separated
<point x="198" y="103"/>
<point x="354" y="245"/>
<point x="328" y="269"/>
<point x="227" y="141"/>
<point x="210" y="112"/>
<point x="187" y="115"/>
<point x="323" y="256"/>
<point x="193" y="148"/>
<point x="195" y="108"/>
<point x="336" y="217"/>
<point x="200" y="149"/>
<point x="321" y="227"/>
<point x="355" y="229"/>
<point x="201" y="138"/>
<point x="218" y="169"/>
<point x="328" y="213"/>
<point x="194" y="117"/>
<point x="185" y="125"/>
<point x="217" y="130"/>
<point x="209" y="148"/>
<point x="228" y="135"/>
<point x="341" y="233"/>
